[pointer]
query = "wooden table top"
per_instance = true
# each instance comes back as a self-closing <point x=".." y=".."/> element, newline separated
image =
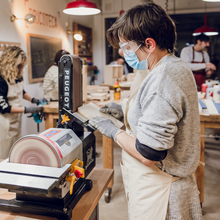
<point x="100" y="178"/>
<point x="209" y="118"/>
<point x="52" y="107"/>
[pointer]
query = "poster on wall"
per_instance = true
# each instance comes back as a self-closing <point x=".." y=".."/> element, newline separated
<point x="41" y="53"/>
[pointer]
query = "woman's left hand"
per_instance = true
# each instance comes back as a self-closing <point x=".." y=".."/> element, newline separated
<point x="39" y="101"/>
<point x="105" y="126"/>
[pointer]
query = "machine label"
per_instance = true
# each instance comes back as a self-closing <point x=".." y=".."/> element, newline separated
<point x="64" y="140"/>
<point x="66" y="91"/>
<point x="90" y="159"/>
<point x="52" y="143"/>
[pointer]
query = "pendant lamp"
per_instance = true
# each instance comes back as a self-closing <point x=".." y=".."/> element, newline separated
<point x="81" y="7"/>
<point x="209" y="31"/>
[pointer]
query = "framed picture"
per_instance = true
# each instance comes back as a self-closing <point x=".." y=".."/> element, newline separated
<point x="41" y="53"/>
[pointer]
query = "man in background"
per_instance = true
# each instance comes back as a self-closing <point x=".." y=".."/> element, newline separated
<point x="198" y="59"/>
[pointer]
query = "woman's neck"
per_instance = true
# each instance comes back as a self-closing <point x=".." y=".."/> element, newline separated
<point x="156" y="58"/>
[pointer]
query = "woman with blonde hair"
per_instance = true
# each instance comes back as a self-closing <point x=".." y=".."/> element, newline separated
<point x="12" y="62"/>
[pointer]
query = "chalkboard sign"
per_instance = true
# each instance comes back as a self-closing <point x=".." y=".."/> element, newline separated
<point x="41" y="53"/>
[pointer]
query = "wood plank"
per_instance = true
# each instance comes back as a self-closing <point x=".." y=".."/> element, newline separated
<point x="92" y="110"/>
<point x="100" y="178"/>
<point x="210" y="118"/>
<point x="200" y="169"/>
<point x="108" y="155"/>
<point x="52" y="107"/>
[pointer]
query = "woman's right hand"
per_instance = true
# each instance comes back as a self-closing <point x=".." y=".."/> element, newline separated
<point x="113" y="109"/>
<point x="33" y="109"/>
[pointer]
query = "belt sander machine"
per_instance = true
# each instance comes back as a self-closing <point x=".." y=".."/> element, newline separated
<point x="47" y="171"/>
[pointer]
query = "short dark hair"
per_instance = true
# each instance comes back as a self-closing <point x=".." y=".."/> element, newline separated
<point x="202" y="37"/>
<point x="146" y="20"/>
<point x="58" y="55"/>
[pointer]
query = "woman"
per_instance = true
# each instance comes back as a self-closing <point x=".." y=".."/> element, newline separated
<point x="161" y="145"/>
<point x="50" y="84"/>
<point x="12" y="62"/>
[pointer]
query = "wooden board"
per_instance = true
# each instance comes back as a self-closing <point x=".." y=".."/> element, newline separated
<point x="92" y="110"/>
<point x="98" y="96"/>
<point x="101" y="89"/>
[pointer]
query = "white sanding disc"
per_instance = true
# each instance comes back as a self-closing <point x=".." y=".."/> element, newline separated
<point x="31" y="150"/>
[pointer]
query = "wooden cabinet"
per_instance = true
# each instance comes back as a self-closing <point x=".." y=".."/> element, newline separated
<point x="83" y="48"/>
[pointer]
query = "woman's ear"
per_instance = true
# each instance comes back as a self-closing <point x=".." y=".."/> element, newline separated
<point x="150" y="44"/>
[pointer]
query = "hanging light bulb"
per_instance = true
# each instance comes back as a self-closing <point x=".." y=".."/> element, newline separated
<point x="81" y="7"/>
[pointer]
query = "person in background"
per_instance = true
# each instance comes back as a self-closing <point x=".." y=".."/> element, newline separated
<point x="12" y="62"/>
<point x="198" y="59"/>
<point x="161" y="144"/>
<point x="50" y="84"/>
<point x="121" y="61"/>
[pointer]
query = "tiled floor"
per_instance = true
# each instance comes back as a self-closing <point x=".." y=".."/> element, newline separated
<point x="117" y="208"/>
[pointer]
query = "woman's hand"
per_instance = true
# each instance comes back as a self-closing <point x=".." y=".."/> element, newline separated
<point x="34" y="109"/>
<point x="113" y="109"/>
<point x="105" y="126"/>
<point x="39" y="101"/>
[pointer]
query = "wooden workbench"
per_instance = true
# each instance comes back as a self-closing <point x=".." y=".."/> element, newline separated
<point x="83" y="209"/>
<point x="206" y="121"/>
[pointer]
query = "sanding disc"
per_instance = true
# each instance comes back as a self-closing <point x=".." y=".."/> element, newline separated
<point x="32" y="150"/>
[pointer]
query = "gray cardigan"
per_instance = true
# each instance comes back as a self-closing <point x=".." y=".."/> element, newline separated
<point x="165" y="116"/>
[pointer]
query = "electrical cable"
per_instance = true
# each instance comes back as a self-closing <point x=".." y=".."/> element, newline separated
<point x="166" y="5"/>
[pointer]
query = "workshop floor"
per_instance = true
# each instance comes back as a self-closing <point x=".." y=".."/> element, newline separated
<point x="116" y="209"/>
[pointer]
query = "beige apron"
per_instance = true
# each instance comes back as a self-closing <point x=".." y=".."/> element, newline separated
<point x="10" y="123"/>
<point x="147" y="188"/>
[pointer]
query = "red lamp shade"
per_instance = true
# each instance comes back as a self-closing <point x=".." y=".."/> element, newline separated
<point x="121" y="12"/>
<point x="81" y="7"/>
<point x="209" y="31"/>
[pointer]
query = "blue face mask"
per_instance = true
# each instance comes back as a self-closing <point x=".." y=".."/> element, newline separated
<point x="134" y="62"/>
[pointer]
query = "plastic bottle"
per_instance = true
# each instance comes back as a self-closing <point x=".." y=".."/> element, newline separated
<point x="216" y="92"/>
<point x="209" y="92"/>
<point x="204" y="87"/>
<point x="209" y="84"/>
<point x="117" y="91"/>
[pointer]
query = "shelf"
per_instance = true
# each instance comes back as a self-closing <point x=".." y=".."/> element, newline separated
<point x="86" y="44"/>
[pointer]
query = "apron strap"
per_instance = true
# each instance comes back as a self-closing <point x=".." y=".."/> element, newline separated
<point x="133" y="94"/>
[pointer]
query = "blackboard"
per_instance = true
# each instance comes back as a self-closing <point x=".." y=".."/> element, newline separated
<point x="41" y="53"/>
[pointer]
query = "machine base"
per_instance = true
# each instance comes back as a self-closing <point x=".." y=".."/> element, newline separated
<point x="52" y="210"/>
